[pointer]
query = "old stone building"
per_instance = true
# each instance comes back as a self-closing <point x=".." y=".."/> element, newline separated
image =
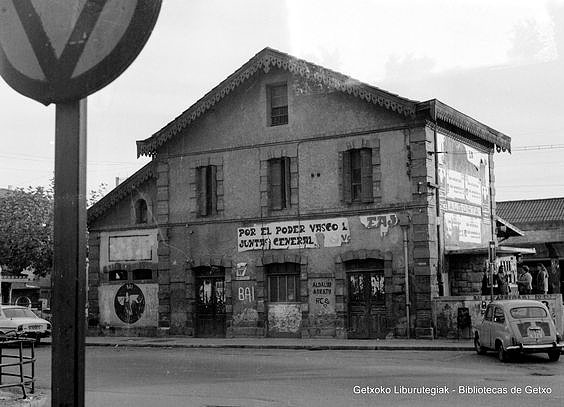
<point x="292" y="200"/>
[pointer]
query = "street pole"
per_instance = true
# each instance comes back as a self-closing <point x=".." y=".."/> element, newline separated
<point x="69" y="266"/>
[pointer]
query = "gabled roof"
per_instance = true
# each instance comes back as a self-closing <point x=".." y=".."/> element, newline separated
<point x="266" y="59"/>
<point x="532" y="211"/>
<point x="121" y="191"/>
<point x="444" y="114"/>
<point x="269" y="58"/>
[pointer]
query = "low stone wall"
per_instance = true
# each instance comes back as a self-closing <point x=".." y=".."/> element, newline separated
<point x="458" y="317"/>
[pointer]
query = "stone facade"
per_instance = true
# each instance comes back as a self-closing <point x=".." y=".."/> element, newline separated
<point x="394" y="234"/>
<point x="469" y="270"/>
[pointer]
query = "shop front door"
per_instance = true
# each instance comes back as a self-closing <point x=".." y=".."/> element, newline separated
<point x="210" y="304"/>
<point x="366" y="305"/>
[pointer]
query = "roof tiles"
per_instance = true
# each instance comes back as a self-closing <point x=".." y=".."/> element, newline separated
<point x="531" y="211"/>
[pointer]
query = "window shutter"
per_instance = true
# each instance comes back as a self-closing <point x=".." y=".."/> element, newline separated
<point x="347" y="188"/>
<point x="366" y="175"/>
<point x="212" y="189"/>
<point x="201" y="190"/>
<point x="275" y="184"/>
<point x="287" y="183"/>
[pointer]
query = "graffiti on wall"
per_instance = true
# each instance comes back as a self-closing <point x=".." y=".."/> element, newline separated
<point x="284" y="318"/>
<point x="129" y="303"/>
<point x="294" y="235"/>
<point x="322" y="296"/>
<point x="242" y="272"/>
<point x="445" y="311"/>
<point x="244" y="303"/>
<point x="321" y="302"/>
<point x="384" y="222"/>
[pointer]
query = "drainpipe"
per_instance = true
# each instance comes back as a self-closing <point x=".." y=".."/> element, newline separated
<point x="493" y="242"/>
<point x="406" y="274"/>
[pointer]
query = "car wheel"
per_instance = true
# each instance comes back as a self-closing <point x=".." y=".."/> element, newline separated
<point x="502" y="354"/>
<point x="554" y="355"/>
<point x="480" y="350"/>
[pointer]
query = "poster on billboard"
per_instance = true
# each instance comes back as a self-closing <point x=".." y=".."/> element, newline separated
<point x="464" y="193"/>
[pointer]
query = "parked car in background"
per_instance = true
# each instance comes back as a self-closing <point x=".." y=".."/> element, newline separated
<point x="512" y="327"/>
<point x="22" y="322"/>
<point x="44" y="313"/>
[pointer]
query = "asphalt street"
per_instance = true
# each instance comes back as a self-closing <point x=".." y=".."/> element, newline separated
<point x="127" y="376"/>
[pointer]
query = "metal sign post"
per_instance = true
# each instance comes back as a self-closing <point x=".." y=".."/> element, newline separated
<point x="69" y="269"/>
<point x="492" y="255"/>
<point x="61" y="52"/>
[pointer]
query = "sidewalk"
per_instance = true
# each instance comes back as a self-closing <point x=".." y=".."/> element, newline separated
<point x="283" y="343"/>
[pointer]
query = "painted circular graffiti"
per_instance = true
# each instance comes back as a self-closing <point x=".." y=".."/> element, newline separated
<point x="129" y="303"/>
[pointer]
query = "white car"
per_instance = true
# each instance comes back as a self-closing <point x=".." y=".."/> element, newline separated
<point x="22" y="322"/>
<point x="513" y="327"/>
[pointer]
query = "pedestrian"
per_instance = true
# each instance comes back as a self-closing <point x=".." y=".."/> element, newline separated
<point x="502" y="286"/>
<point x="542" y="279"/>
<point x="525" y="281"/>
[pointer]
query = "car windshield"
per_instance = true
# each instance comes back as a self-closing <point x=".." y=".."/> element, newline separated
<point x="528" y="312"/>
<point x="19" y="313"/>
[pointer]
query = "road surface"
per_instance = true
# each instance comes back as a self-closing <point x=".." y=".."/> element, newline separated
<point x="121" y="376"/>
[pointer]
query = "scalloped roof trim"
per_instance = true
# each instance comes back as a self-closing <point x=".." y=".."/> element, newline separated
<point x="121" y="191"/>
<point x="472" y="126"/>
<point x="265" y="60"/>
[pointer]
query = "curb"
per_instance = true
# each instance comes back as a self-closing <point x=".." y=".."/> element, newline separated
<point x="455" y="348"/>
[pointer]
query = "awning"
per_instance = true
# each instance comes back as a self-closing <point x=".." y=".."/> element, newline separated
<point x="505" y="230"/>
<point x="500" y="250"/>
<point x="23" y="286"/>
<point x="548" y="250"/>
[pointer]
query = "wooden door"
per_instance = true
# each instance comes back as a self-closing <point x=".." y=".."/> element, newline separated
<point x="210" y="305"/>
<point x="366" y="305"/>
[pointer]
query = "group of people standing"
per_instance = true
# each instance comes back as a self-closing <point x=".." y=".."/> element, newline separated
<point x="526" y="284"/>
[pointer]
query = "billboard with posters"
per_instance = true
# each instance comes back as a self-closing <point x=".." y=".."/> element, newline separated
<point x="464" y="194"/>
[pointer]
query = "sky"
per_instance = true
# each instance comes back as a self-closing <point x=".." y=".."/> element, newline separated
<point x="501" y="62"/>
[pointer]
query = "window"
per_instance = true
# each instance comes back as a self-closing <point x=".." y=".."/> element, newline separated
<point x="279" y="183"/>
<point x="141" y="211"/>
<point x="357" y="175"/>
<point x="123" y="276"/>
<point x="499" y="317"/>
<point x="489" y="313"/>
<point x="142" y="274"/>
<point x="283" y="282"/>
<point x="528" y="312"/>
<point x="278" y="99"/>
<point x="206" y="184"/>
<point x="366" y="281"/>
<point x="117" y="275"/>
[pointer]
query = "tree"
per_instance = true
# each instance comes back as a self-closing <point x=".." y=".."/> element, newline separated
<point x="96" y="194"/>
<point x="26" y="229"/>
